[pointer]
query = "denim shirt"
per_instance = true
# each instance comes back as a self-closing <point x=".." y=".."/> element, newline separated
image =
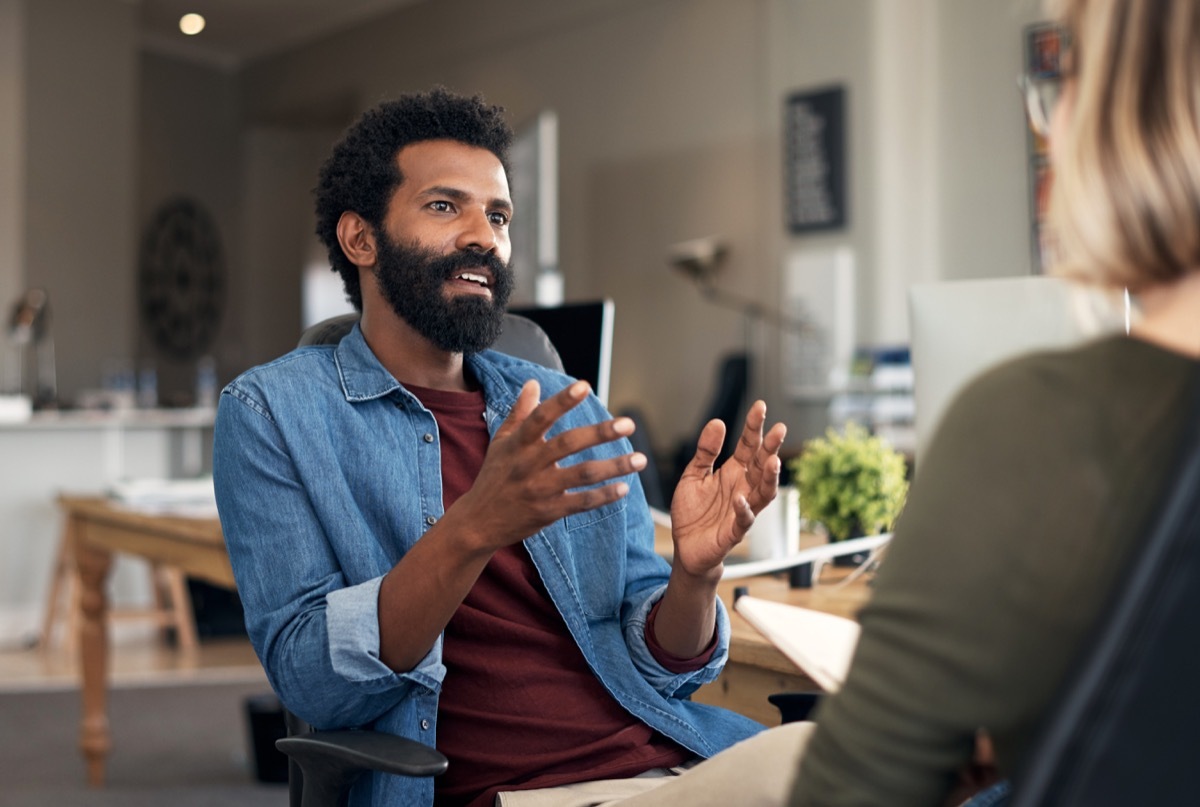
<point x="327" y="471"/>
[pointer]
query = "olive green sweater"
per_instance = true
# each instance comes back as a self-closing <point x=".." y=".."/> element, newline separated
<point x="1039" y="484"/>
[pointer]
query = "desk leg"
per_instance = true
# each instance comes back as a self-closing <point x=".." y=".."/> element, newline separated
<point x="94" y="739"/>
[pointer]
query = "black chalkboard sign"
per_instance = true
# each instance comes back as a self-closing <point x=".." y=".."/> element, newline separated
<point x="815" y="160"/>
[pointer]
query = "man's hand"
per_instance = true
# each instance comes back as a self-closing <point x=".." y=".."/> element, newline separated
<point x="521" y="488"/>
<point x="711" y="511"/>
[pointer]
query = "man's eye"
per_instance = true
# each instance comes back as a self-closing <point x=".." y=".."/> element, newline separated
<point x="499" y="219"/>
<point x="440" y="206"/>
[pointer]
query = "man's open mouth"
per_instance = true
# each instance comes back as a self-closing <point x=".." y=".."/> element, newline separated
<point x="479" y="278"/>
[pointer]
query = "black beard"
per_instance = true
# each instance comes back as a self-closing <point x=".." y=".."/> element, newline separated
<point x="413" y="281"/>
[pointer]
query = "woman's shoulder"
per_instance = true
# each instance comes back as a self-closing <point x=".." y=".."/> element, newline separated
<point x="1063" y="383"/>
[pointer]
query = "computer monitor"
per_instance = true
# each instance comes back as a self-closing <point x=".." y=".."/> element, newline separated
<point x="583" y="335"/>
<point x="960" y="328"/>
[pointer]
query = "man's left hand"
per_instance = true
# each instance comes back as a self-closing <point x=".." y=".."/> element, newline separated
<point x="712" y="510"/>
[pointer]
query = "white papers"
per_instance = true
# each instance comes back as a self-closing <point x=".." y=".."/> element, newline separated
<point x="820" y="644"/>
<point x="183" y="497"/>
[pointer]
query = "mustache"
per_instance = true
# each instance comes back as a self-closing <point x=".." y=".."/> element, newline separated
<point x="447" y="266"/>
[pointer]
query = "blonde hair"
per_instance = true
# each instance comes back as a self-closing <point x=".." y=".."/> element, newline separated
<point x="1125" y="204"/>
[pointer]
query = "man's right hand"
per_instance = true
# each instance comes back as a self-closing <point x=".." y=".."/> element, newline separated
<point x="521" y="487"/>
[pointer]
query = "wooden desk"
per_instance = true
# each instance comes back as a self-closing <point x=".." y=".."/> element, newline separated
<point x="756" y="668"/>
<point x="96" y="528"/>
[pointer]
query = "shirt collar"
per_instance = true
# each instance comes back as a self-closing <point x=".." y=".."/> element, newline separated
<point x="364" y="378"/>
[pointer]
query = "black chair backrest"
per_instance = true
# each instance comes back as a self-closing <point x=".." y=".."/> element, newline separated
<point x="728" y="404"/>
<point x="521" y="337"/>
<point x="1124" y="731"/>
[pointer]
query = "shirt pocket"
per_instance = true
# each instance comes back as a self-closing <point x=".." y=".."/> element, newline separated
<point x="597" y="543"/>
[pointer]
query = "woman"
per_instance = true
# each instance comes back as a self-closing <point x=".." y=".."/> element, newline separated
<point x="1047" y="471"/>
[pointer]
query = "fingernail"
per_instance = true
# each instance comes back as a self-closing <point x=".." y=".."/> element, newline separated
<point x="623" y="426"/>
<point x="637" y="460"/>
<point x="622" y="488"/>
<point x="579" y="389"/>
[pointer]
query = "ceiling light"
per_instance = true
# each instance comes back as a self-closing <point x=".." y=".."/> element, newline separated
<point x="191" y="24"/>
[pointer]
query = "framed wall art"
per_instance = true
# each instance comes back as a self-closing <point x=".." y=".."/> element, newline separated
<point x="815" y="159"/>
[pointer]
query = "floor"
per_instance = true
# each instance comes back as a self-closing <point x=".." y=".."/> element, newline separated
<point x="137" y="658"/>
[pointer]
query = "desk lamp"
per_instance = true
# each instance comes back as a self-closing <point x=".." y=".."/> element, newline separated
<point x="700" y="259"/>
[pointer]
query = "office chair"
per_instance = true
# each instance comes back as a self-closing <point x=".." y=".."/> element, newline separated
<point x="323" y="765"/>
<point x="1123" y="731"/>
<point x="521" y="337"/>
<point x="728" y="403"/>
<point x="650" y="475"/>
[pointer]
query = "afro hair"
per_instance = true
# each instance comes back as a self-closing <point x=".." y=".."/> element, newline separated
<point x="361" y="174"/>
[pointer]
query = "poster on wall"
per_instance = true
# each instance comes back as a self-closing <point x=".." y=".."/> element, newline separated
<point x="1045" y="45"/>
<point x="815" y="160"/>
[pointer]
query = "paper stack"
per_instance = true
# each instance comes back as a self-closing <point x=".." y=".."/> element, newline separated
<point x="183" y="497"/>
<point x="820" y="644"/>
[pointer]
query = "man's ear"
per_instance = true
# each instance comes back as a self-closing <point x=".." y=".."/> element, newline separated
<point x="357" y="239"/>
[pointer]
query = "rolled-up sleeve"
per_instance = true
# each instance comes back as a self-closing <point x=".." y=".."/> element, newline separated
<point x="672" y="684"/>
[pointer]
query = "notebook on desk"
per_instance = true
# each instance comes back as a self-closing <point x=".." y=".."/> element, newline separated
<point x="820" y="644"/>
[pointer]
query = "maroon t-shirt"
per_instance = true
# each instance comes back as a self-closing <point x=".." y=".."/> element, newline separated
<point x="519" y="707"/>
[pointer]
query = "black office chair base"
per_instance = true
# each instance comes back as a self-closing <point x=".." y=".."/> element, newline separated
<point x="794" y="706"/>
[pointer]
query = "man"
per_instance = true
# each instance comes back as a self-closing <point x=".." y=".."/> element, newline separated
<point x="439" y="541"/>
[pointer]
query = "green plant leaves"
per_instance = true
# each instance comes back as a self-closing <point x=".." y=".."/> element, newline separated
<point x="852" y="483"/>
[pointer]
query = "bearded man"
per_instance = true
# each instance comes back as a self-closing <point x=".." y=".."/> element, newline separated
<point x="447" y="543"/>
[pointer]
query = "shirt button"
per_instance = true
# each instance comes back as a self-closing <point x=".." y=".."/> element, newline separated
<point x="431" y="520"/>
<point x="424" y="724"/>
<point x="428" y="437"/>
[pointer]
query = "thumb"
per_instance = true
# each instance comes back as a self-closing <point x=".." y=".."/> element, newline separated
<point x="708" y="447"/>
<point x="527" y="401"/>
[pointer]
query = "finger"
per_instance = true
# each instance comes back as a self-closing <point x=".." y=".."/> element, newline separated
<point x="773" y="440"/>
<point x="752" y="435"/>
<point x="580" y="438"/>
<point x="590" y="499"/>
<point x="592" y="472"/>
<point x="545" y="415"/>
<point x="743" y="517"/>
<point x="771" y="444"/>
<point x="526" y="403"/>
<point x="708" y="448"/>
<point x="764" y="490"/>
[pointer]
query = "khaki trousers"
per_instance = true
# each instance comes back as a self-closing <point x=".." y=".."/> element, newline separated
<point x="757" y="772"/>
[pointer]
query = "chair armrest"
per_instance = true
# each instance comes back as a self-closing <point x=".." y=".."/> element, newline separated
<point x="333" y="760"/>
<point x="795" y="706"/>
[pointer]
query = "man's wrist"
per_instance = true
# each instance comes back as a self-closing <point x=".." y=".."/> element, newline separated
<point x="468" y="537"/>
<point x="692" y="583"/>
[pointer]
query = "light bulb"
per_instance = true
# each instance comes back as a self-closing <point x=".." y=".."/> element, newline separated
<point x="191" y="24"/>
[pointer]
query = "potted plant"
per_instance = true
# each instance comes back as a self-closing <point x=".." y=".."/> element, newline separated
<point x="851" y="483"/>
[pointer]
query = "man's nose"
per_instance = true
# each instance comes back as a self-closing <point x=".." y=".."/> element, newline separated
<point x="477" y="235"/>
